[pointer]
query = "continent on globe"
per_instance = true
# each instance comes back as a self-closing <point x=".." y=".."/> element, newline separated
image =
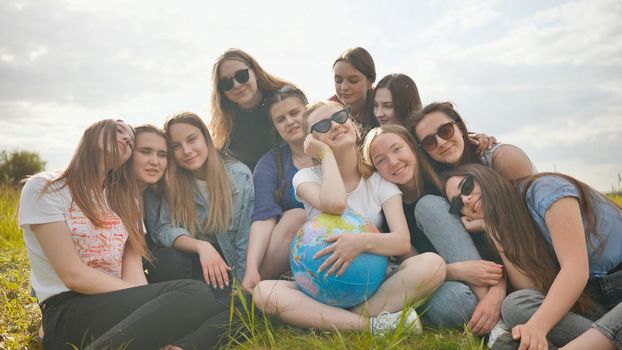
<point x="360" y="280"/>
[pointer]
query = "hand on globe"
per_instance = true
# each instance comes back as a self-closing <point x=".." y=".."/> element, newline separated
<point x="346" y="247"/>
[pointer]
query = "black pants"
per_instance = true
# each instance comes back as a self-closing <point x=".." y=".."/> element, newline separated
<point x="182" y="313"/>
<point x="171" y="264"/>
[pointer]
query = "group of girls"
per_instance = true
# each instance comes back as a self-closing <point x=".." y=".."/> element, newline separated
<point x="467" y="220"/>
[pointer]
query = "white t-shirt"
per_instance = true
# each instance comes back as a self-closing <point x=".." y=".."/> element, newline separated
<point x="98" y="247"/>
<point x="366" y="199"/>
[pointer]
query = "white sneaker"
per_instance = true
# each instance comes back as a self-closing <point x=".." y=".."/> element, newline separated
<point x="499" y="329"/>
<point x="388" y="321"/>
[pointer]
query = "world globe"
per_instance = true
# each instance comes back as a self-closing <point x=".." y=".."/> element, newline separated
<point x="360" y="280"/>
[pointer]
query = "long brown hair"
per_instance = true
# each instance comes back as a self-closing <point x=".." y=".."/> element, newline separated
<point x="223" y="109"/>
<point x="116" y="192"/>
<point x="362" y="61"/>
<point x="470" y="153"/>
<point x="180" y="184"/>
<point x="424" y="171"/>
<point x="509" y="223"/>
<point x="363" y="168"/>
<point x="279" y="96"/>
<point x="404" y="95"/>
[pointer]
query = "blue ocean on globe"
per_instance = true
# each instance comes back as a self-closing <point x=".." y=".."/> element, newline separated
<point x="357" y="283"/>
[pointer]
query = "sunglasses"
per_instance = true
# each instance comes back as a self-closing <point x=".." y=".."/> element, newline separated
<point x="324" y="125"/>
<point x="241" y="76"/>
<point x="445" y="131"/>
<point x="466" y="187"/>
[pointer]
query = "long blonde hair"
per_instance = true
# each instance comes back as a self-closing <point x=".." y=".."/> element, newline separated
<point x="424" y="171"/>
<point x="82" y="177"/>
<point x="223" y="109"/>
<point x="363" y="168"/>
<point x="180" y="184"/>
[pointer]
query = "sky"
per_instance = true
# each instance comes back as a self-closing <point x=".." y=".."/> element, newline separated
<point x="543" y="75"/>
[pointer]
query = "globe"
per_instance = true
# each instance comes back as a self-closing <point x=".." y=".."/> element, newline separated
<point x="360" y="280"/>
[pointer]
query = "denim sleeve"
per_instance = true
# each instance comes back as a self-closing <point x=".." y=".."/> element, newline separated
<point x="158" y="221"/>
<point x="241" y="238"/>
<point x="547" y="190"/>
<point x="266" y="183"/>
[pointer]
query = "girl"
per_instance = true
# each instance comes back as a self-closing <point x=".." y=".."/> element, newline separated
<point x="442" y="134"/>
<point x="561" y="243"/>
<point x="392" y="151"/>
<point x="354" y="75"/>
<point x="84" y="239"/>
<point x="395" y="97"/>
<point x="277" y="214"/>
<point x="240" y="122"/>
<point x="208" y="218"/>
<point x="150" y="159"/>
<point x="342" y="181"/>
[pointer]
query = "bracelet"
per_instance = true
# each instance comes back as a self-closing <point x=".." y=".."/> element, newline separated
<point x="323" y="153"/>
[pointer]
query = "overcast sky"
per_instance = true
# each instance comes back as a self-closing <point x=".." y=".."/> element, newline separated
<point x="543" y="75"/>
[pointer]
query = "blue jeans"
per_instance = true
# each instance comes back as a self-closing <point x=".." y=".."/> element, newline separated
<point x="606" y="317"/>
<point x="453" y="303"/>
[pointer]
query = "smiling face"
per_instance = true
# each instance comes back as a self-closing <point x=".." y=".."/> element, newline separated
<point x="189" y="147"/>
<point x="383" y="107"/>
<point x="149" y="158"/>
<point x="246" y="95"/>
<point x="350" y="84"/>
<point x="446" y="151"/>
<point x="472" y="202"/>
<point x="339" y="135"/>
<point x="287" y="119"/>
<point x="393" y="158"/>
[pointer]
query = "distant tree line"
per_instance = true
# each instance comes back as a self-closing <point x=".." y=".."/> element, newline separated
<point x="16" y="165"/>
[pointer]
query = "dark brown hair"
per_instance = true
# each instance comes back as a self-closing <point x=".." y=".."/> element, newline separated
<point x="404" y="95"/>
<point x="469" y="155"/>
<point x="362" y="61"/>
<point x="509" y="223"/>
<point x="276" y="97"/>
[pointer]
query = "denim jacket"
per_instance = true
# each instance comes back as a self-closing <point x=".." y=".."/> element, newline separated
<point x="234" y="242"/>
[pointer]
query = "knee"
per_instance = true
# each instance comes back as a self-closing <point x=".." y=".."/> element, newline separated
<point x="196" y="293"/>
<point x="428" y="268"/>
<point x="451" y="306"/>
<point x="519" y="306"/>
<point x="429" y="205"/>
<point x="262" y="296"/>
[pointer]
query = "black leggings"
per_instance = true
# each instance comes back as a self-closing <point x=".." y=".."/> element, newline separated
<point x="184" y="313"/>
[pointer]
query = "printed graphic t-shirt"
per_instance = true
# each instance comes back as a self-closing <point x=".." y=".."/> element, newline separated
<point x="98" y="247"/>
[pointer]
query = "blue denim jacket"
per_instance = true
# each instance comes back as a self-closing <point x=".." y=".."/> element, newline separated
<point x="234" y="242"/>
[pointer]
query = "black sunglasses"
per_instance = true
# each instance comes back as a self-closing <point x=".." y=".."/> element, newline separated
<point x="445" y="131"/>
<point x="241" y="76"/>
<point x="324" y="125"/>
<point x="466" y="187"/>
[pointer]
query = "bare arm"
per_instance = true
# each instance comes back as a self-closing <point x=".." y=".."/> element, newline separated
<point x="132" y="268"/>
<point x="55" y="240"/>
<point x="330" y="195"/>
<point x="511" y="162"/>
<point x="563" y="219"/>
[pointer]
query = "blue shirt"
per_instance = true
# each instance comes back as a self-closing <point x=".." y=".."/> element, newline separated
<point x="266" y="182"/>
<point x="234" y="242"/>
<point x="548" y="189"/>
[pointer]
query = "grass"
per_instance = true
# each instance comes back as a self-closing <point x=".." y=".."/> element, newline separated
<point x="20" y="316"/>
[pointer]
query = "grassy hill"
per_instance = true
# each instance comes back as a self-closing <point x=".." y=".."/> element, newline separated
<point x="20" y="316"/>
